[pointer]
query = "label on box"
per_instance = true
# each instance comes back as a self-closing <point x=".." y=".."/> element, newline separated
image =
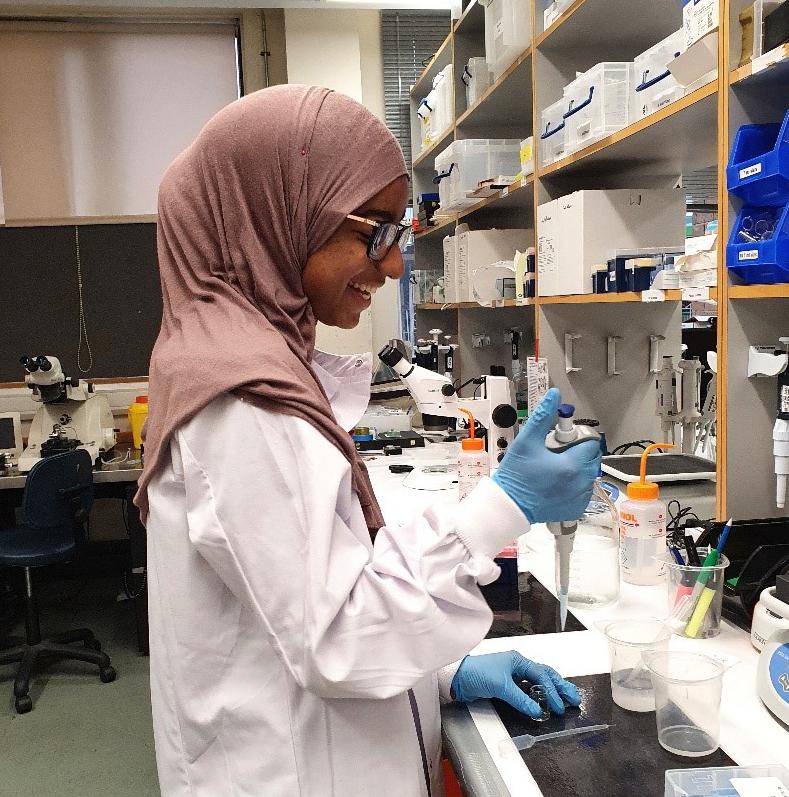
<point x="749" y="254"/>
<point x="750" y="171"/>
<point x="653" y="295"/>
<point x="759" y="787"/>
<point x="695" y="294"/>
<point x="537" y="380"/>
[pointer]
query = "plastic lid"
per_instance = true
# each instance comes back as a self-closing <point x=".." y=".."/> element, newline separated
<point x="642" y="490"/>
<point x="566" y="410"/>
<point x="141" y="400"/>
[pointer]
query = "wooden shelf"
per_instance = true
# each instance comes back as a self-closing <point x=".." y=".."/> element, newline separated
<point x="777" y="291"/>
<point x="476" y="305"/>
<point x="559" y="22"/>
<point x="436" y="147"/>
<point x="437" y="63"/>
<point x="446" y="222"/>
<point x="472" y="20"/>
<point x="520" y="189"/>
<point x="680" y="138"/>
<point x="772" y="67"/>
<point x="604" y="298"/>
<point x="496" y="104"/>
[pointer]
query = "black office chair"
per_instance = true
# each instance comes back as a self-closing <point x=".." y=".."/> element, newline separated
<point x="57" y="501"/>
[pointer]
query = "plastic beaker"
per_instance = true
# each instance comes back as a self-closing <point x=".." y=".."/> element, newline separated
<point x="687" y="701"/>
<point x="695" y="598"/>
<point x="631" y="685"/>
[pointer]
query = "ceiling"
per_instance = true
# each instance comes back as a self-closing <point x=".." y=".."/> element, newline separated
<point x="28" y="6"/>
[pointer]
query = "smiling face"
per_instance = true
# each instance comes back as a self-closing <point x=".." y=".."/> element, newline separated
<point x="339" y="279"/>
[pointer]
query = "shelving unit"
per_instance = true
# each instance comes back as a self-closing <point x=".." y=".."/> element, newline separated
<point x="688" y="135"/>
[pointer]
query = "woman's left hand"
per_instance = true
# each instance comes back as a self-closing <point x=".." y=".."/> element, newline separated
<point x="496" y="674"/>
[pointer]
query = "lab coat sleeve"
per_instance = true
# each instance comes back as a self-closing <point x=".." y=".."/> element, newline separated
<point x="272" y="511"/>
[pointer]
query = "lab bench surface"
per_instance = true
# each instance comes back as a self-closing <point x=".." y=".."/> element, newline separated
<point x="524" y="620"/>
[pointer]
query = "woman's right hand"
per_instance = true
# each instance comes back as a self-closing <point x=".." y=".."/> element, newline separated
<point x="548" y="485"/>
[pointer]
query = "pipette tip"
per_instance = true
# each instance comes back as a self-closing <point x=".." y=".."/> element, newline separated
<point x="563" y="610"/>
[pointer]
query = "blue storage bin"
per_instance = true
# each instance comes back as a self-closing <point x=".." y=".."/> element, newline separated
<point x="758" y="170"/>
<point x="763" y="261"/>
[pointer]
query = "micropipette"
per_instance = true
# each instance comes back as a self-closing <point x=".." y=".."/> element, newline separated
<point x="527" y="740"/>
<point x="566" y="435"/>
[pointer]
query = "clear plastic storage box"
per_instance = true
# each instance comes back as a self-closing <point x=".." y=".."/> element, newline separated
<point x="553" y="132"/>
<point x="597" y="103"/>
<point x="463" y="164"/>
<point x="436" y="111"/>
<point x="507" y="32"/>
<point x="477" y="79"/>
<point x="554" y="11"/>
<point x="654" y="86"/>
<point x="758" y="169"/>
<point x="715" y="781"/>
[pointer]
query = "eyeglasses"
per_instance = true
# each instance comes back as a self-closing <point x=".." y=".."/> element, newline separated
<point x="385" y="235"/>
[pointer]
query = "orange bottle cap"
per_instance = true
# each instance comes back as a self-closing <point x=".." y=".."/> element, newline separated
<point x="471" y="443"/>
<point x="141" y="400"/>
<point x="642" y="490"/>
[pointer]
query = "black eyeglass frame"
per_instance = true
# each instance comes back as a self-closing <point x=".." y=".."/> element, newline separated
<point x="384" y="236"/>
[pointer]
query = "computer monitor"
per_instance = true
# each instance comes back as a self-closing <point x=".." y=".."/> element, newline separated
<point x="11" y="434"/>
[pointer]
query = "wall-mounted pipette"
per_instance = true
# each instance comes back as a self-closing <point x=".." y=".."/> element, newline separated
<point x="769" y="361"/>
<point x="781" y="435"/>
<point x="565" y="435"/>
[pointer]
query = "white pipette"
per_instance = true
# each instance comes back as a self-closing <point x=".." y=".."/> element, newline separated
<point x="527" y="740"/>
<point x="564" y="436"/>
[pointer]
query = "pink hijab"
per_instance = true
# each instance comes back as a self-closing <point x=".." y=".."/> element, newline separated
<point x="264" y="185"/>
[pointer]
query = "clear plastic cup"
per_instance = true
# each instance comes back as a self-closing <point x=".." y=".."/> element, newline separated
<point x="695" y="598"/>
<point x="631" y="685"/>
<point x="687" y="701"/>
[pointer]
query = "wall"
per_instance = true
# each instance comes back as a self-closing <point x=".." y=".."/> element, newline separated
<point x="341" y="49"/>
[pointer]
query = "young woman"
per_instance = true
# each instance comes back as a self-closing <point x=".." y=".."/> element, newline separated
<point x="290" y="654"/>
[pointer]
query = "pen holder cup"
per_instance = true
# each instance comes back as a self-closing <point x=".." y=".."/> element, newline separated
<point x="695" y="598"/>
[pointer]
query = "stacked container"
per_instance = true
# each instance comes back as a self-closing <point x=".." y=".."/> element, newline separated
<point x="654" y="86"/>
<point x="597" y="103"/>
<point x="553" y="133"/>
<point x="758" y="174"/>
<point x="464" y="164"/>
<point x="476" y="78"/>
<point x="507" y="32"/>
<point x="436" y="111"/>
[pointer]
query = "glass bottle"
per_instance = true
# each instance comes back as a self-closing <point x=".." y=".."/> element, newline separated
<point x="594" y="562"/>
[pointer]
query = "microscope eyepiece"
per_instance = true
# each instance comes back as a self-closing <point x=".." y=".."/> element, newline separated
<point x="390" y="356"/>
<point x="44" y="364"/>
<point x="30" y="363"/>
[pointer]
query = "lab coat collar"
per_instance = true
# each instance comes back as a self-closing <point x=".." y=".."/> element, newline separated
<point x="346" y="380"/>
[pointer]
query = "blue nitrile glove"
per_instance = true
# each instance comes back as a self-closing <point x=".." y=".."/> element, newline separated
<point x="495" y="675"/>
<point x="546" y="485"/>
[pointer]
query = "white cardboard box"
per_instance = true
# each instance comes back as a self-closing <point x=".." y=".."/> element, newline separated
<point x="451" y="286"/>
<point x="580" y="230"/>
<point x="699" y="17"/>
<point x="477" y="248"/>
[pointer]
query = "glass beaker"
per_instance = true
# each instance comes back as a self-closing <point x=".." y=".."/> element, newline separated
<point x="631" y="684"/>
<point x="594" y="562"/>
<point x="687" y="701"/>
<point x="695" y="592"/>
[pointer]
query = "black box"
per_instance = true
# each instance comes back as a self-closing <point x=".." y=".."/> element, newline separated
<point x="776" y="27"/>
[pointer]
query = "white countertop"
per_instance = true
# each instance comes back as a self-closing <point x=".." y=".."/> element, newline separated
<point x="749" y="734"/>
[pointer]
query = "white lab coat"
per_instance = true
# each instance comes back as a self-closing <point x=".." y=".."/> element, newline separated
<point x="283" y="642"/>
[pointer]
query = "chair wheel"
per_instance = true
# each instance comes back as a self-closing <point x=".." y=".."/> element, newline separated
<point x="107" y="675"/>
<point x="93" y="644"/>
<point x="23" y="704"/>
